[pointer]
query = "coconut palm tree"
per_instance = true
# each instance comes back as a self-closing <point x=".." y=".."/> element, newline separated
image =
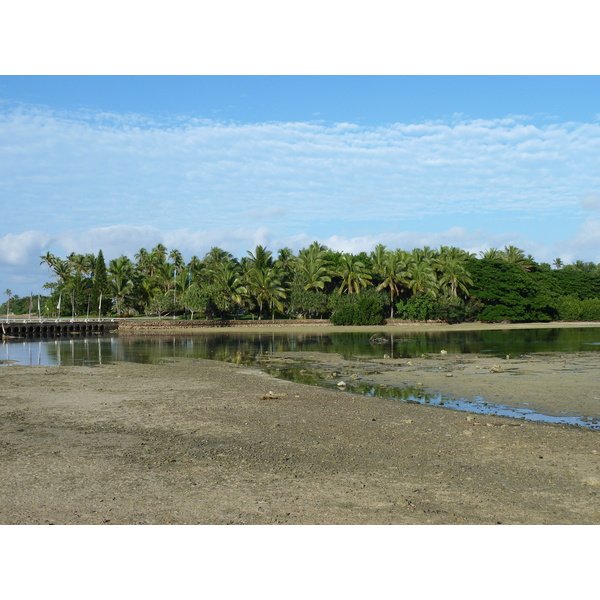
<point x="8" y="293"/>
<point x="49" y="259"/>
<point x="491" y="254"/>
<point x="266" y="287"/>
<point x="353" y="274"/>
<point x="143" y="262"/>
<point x="314" y="267"/>
<point x="230" y="286"/>
<point x="516" y="256"/>
<point x="453" y="275"/>
<point x="261" y="258"/>
<point x="378" y="257"/>
<point x="393" y="271"/>
<point x="177" y="260"/>
<point x="121" y="273"/>
<point x="421" y="277"/>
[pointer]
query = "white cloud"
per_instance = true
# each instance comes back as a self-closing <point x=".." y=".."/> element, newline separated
<point x="17" y="250"/>
<point x="123" y="169"/>
<point x="85" y="181"/>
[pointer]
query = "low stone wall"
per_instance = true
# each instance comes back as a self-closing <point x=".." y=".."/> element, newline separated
<point x="126" y="326"/>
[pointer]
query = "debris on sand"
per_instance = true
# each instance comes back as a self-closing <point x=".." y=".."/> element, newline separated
<point x="271" y="396"/>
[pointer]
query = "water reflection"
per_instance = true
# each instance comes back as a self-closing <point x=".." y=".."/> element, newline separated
<point x="223" y="346"/>
<point x="252" y="348"/>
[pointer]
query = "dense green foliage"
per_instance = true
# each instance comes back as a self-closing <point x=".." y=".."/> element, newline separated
<point x="366" y="308"/>
<point x="445" y="284"/>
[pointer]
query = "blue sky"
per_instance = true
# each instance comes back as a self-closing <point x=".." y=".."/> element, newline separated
<point x="120" y="163"/>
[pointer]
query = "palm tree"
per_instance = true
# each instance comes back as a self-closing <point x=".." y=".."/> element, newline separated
<point x="146" y="289"/>
<point x="285" y="263"/>
<point x="261" y="258"/>
<point x="558" y="263"/>
<point x="491" y="254"/>
<point x="313" y="266"/>
<point x="8" y="293"/>
<point x="353" y="274"/>
<point x="121" y="276"/>
<point x="516" y="256"/>
<point x="62" y="270"/>
<point x="49" y="259"/>
<point x="378" y="257"/>
<point x="421" y="277"/>
<point x="177" y="260"/>
<point x="230" y="285"/>
<point x="454" y="275"/>
<point x="143" y="261"/>
<point x="194" y="267"/>
<point x="156" y="258"/>
<point x="266" y="287"/>
<point x="392" y="269"/>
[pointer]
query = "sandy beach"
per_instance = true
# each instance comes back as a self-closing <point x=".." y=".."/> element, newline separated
<point x="193" y="441"/>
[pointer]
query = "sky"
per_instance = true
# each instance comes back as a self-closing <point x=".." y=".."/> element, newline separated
<point x="123" y="162"/>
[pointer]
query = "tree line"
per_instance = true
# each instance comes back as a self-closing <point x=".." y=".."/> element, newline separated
<point x="447" y="284"/>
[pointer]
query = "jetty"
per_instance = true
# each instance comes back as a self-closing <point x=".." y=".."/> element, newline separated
<point x="25" y="328"/>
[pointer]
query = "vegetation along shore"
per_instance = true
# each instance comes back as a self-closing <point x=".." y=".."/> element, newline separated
<point x="446" y="284"/>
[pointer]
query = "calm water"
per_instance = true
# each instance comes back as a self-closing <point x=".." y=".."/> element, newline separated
<point x="93" y="351"/>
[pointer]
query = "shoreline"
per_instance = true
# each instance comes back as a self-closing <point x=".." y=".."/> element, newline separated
<point x="325" y="327"/>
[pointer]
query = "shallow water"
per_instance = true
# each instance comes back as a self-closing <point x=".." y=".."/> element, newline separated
<point x="248" y="348"/>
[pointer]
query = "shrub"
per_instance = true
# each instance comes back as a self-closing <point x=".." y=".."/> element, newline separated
<point x="427" y="308"/>
<point x="366" y="308"/>
<point x="590" y="309"/>
<point x="569" y="308"/>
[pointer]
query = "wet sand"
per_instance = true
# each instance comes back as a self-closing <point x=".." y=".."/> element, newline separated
<point x="202" y="442"/>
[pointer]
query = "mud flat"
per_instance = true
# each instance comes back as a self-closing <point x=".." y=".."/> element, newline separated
<point x="203" y="442"/>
